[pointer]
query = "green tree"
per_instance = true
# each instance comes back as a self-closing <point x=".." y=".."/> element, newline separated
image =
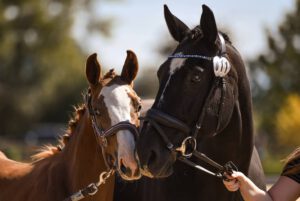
<point x="276" y="73"/>
<point x="288" y="121"/>
<point x="41" y="66"/>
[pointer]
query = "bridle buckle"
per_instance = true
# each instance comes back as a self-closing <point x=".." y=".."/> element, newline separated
<point x="103" y="141"/>
<point x="188" y="146"/>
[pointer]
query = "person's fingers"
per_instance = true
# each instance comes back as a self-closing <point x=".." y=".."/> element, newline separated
<point x="232" y="185"/>
<point x="238" y="175"/>
<point x="229" y="177"/>
<point x="229" y="182"/>
<point x="234" y="188"/>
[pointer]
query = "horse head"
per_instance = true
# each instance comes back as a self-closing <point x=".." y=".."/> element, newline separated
<point x="194" y="100"/>
<point x="114" y="110"/>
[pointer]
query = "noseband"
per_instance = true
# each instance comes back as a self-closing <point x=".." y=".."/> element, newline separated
<point x="102" y="134"/>
<point x="188" y="146"/>
<point x="156" y="118"/>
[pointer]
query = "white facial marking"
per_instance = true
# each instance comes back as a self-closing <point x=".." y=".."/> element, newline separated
<point x="199" y="68"/>
<point x="176" y="64"/>
<point x="118" y="104"/>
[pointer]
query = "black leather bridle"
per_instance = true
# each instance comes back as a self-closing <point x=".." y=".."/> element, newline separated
<point x="188" y="147"/>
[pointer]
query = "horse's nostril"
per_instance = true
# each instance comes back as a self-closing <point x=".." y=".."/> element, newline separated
<point x="122" y="167"/>
<point x="152" y="158"/>
<point x="136" y="173"/>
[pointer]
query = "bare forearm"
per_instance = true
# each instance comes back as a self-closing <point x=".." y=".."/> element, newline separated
<point x="251" y="192"/>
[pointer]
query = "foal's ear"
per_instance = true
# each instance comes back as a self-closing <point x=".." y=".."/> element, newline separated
<point x="130" y="68"/>
<point x="208" y="24"/>
<point x="176" y="27"/>
<point x="93" y="69"/>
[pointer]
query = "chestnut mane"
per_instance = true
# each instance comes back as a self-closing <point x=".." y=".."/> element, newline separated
<point x="50" y="150"/>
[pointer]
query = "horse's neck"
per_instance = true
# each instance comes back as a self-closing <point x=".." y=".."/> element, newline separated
<point x="83" y="159"/>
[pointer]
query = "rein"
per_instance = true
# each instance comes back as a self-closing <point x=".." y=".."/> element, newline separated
<point x="101" y="136"/>
<point x="188" y="147"/>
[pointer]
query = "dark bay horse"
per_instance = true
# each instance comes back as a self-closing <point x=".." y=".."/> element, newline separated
<point x="101" y="136"/>
<point x="191" y="102"/>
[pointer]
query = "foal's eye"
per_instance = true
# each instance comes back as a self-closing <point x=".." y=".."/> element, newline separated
<point x="138" y="108"/>
<point x="97" y="112"/>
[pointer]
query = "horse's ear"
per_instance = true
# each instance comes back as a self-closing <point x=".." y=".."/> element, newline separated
<point x="93" y="69"/>
<point x="208" y="24"/>
<point x="176" y="27"/>
<point x="130" y="68"/>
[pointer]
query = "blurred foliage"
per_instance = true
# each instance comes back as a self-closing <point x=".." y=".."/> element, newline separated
<point x="276" y="73"/>
<point x="146" y="84"/>
<point x="288" y="121"/>
<point x="272" y="165"/>
<point x="168" y="46"/>
<point x="41" y="66"/>
<point x="13" y="149"/>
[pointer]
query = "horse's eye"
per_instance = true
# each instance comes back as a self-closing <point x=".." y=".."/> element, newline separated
<point x="196" y="78"/>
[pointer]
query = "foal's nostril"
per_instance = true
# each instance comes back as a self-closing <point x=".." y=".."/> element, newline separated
<point x="125" y="170"/>
<point x="152" y="158"/>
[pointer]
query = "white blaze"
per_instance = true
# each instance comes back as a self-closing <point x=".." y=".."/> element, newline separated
<point x="176" y="64"/>
<point x="118" y="104"/>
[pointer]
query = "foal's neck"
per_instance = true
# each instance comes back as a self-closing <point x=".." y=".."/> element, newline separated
<point x="84" y="161"/>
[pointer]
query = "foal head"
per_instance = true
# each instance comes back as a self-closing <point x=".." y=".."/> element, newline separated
<point x="113" y="100"/>
<point x="184" y="87"/>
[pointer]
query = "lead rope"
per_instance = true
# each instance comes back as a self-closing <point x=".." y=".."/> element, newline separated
<point x="90" y="189"/>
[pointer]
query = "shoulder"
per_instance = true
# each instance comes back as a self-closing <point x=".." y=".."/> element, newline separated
<point x="292" y="170"/>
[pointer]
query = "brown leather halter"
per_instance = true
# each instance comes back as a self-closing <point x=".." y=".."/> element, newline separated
<point x="102" y="134"/>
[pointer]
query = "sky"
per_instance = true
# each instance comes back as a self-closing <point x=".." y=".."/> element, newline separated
<point x="140" y="26"/>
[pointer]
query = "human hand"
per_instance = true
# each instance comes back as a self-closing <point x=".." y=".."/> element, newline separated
<point x="234" y="181"/>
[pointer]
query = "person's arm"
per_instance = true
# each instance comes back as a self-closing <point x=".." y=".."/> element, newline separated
<point x="285" y="189"/>
<point x="249" y="191"/>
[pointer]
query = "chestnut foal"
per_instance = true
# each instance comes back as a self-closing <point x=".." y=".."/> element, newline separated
<point x="100" y="137"/>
